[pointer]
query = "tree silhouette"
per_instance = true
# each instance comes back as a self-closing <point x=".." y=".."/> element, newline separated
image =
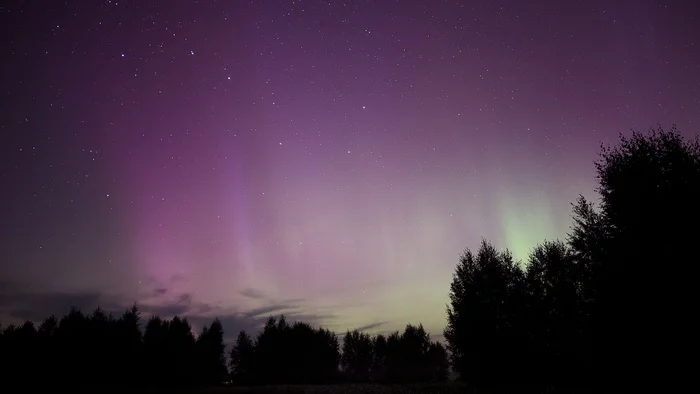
<point x="598" y="308"/>
<point x="113" y="352"/>
<point x="438" y="363"/>
<point x="358" y="355"/>
<point x="72" y="340"/>
<point x="294" y="353"/>
<point x="129" y="368"/>
<point x="304" y="351"/>
<point x="414" y="345"/>
<point x="649" y="187"/>
<point x="589" y="243"/>
<point x="242" y="360"/>
<point x="181" y="351"/>
<point x="99" y="346"/>
<point x="408" y="357"/>
<point x="394" y="363"/>
<point x="211" y="362"/>
<point x="484" y="334"/>
<point x="328" y="355"/>
<point x="558" y="345"/>
<point x="379" y="359"/>
<point x="20" y="347"/>
<point x="46" y="347"/>
<point x="269" y="351"/>
<point x="155" y="348"/>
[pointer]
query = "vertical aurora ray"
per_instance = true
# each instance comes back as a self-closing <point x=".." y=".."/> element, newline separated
<point x="526" y="219"/>
<point x="242" y="242"/>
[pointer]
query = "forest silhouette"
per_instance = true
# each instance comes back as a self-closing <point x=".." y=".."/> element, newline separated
<point x="605" y="306"/>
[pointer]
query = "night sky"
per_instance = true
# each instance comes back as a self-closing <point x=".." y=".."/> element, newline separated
<point x="327" y="160"/>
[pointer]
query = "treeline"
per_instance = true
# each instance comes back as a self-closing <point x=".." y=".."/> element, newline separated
<point x="606" y="307"/>
<point x="298" y="353"/>
<point x="100" y="350"/>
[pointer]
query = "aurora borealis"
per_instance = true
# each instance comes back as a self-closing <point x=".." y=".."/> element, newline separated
<point x="326" y="160"/>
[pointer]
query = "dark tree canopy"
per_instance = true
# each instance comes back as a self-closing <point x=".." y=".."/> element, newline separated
<point x="80" y="351"/>
<point x="120" y="352"/>
<point x="299" y="353"/>
<point x="485" y="297"/>
<point x="211" y="360"/>
<point x="606" y="306"/>
<point x="242" y="359"/>
<point x="125" y="353"/>
<point x="650" y="191"/>
<point x="358" y="356"/>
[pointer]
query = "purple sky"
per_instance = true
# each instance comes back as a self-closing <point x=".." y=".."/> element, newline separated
<point x="326" y="160"/>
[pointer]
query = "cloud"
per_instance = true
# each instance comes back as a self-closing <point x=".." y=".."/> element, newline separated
<point x="181" y="305"/>
<point x="178" y="278"/>
<point x="166" y="310"/>
<point x="25" y="303"/>
<point x="201" y="314"/>
<point x="371" y="326"/>
<point x="185" y="298"/>
<point x="20" y="303"/>
<point x="160" y="292"/>
<point x="252" y="320"/>
<point x="149" y="280"/>
<point x="268" y="310"/>
<point x="252" y="293"/>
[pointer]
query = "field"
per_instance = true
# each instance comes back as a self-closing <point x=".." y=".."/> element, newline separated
<point x="445" y="388"/>
<point x="346" y="389"/>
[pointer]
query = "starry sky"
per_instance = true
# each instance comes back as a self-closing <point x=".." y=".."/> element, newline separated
<point x="329" y="160"/>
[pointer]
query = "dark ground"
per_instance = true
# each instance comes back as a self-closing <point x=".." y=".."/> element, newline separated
<point x="344" y="389"/>
<point x="444" y="388"/>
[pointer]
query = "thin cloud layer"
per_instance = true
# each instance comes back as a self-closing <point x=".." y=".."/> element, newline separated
<point x="20" y="303"/>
